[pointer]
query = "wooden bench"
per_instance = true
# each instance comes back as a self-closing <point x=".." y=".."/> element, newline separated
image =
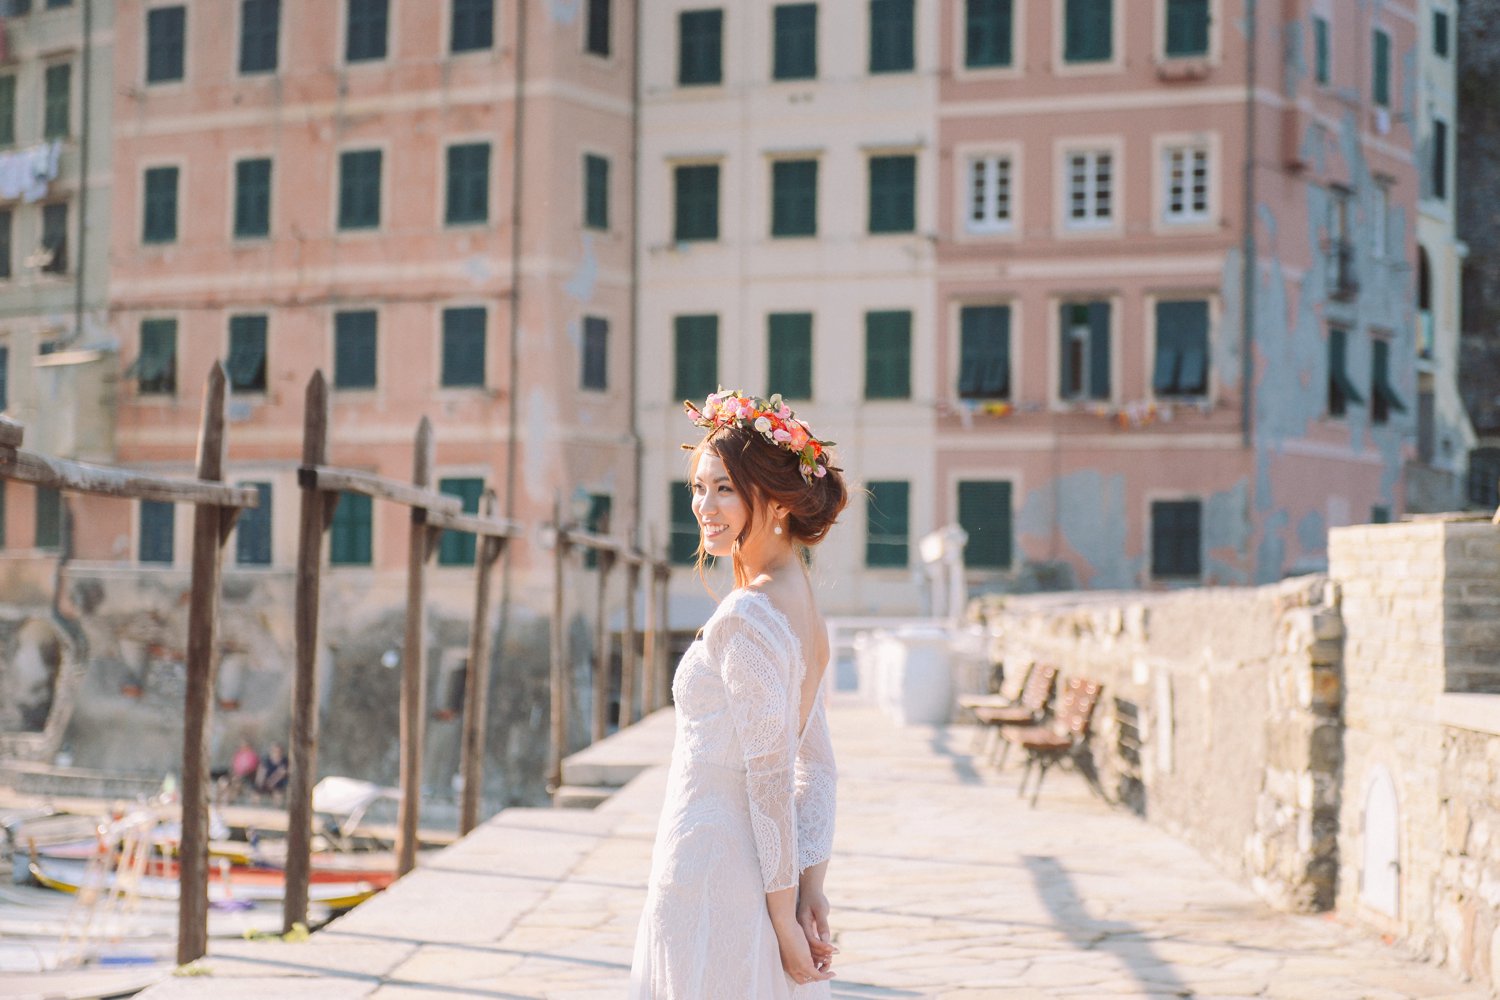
<point x="1028" y="710"/>
<point x="1062" y="739"/>
<point x="974" y="702"/>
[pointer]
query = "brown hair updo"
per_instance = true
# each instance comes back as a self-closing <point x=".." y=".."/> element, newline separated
<point x="764" y="473"/>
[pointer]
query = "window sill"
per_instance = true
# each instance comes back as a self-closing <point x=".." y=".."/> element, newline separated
<point x="1183" y="69"/>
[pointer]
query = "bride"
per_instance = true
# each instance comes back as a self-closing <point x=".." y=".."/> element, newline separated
<point x="735" y="907"/>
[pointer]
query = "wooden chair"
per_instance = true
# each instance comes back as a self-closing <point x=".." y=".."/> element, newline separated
<point x="1060" y="741"/>
<point x="974" y="702"/>
<point x="1029" y="708"/>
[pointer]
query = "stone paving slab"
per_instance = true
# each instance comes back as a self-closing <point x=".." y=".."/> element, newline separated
<point x="944" y="885"/>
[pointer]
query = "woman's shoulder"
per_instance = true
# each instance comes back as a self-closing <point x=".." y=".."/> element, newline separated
<point x="746" y="607"/>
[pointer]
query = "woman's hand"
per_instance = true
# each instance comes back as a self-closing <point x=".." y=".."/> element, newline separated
<point x="796" y="955"/>
<point x="812" y="917"/>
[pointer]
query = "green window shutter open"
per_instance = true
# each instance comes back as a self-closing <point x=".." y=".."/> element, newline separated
<point x="463" y="346"/>
<point x="1341" y="389"/>
<point x="893" y="194"/>
<point x="1088" y="32"/>
<point x="354" y="349"/>
<point x="790" y="354"/>
<point x="892" y="27"/>
<point x="457" y="547"/>
<point x="988" y="33"/>
<point x="596" y="40"/>
<point x="595" y="353"/>
<point x="57" y="106"/>
<point x="252" y="531"/>
<point x="595" y="192"/>
<point x="794" y="198"/>
<point x="247" y="353"/>
<point x="366" y="28"/>
<point x="1176" y="539"/>
<point x="359" y="189"/>
<point x="157" y="521"/>
<point x="984" y="352"/>
<point x="1383" y="395"/>
<point x="1181" y="367"/>
<point x="468" y="183"/>
<point x="796" y="48"/>
<point x="156" y="367"/>
<point x="160" y="222"/>
<point x="597" y="522"/>
<point x="682" y="525"/>
<point x="55" y="236"/>
<point x="49" y="513"/>
<point x="473" y="27"/>
<point x="888" y="354"/>
<point x="697" y="202"/>
<point x="888" y="518"/>
<point x="8" y="109"/>
<point x="252" y="198"/>
<point x="700" y="47"/>
<point x="1320" y="49"/>
<point x="1382" y="69"/>
<point x="166" y="36"/>
<point x="350" y="531"/>
<point x="984" y="511"/>
<point x="697" y="354"/>
<point x="260" y="28"/>
<point x="1187" y="28"/>
<point x="1084" y="371"/>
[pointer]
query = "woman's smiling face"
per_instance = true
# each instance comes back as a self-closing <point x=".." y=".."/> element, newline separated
<point x="720" y="508"/>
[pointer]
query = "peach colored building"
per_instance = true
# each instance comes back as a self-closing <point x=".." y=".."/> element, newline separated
<point x="1117" y="410"/>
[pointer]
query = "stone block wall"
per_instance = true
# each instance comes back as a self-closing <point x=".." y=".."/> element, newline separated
<point x="1218" y="719"/>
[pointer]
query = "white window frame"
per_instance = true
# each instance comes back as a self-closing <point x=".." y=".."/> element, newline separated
<point x="997" y="187"/>
<point x="1187" y="174"/>
<point x="1092" y="157"/>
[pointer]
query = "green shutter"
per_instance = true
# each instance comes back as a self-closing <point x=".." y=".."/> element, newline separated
<point x="1177" y="539"/>
<point x="595" y="192"/>
<point x="1438" y="183"/>
<point x="889" y="523"/>
<point x="55" y="236"/>
<point x="595" y="353"/>
<point x="159" y="224"/>
<point x="888" y="354"/>
<point x="700" y="44"/>
<point x="252" y="198"/>
<point x="49" y="512"/>
<point x="893" y="194"/>
<point x="1382" y="69"/>
<point x="1088" y="31"/>
<point x="156" y="367"/>
<point x="682" y="525"/>
<point x="457" y="547"/>
<point x="359" y="189"/>
<point x="984" y="352"/>
<point x="8" y="110"/>
<point x="247" y="353"/>
<point x="260" y="28"/>
<point x="796" y="47"/>
<point x="988" y="33"/>
<point x="366" y="29"/>
<point x="1341" y="388"/>
<point x="984" y="511"/>
<point x="1181" y="367"/>
<point x="157" y="521"/>
<point x="794" y="198"/>
<point x="1440" y="33"/>
<point x="1320" y="49"/>
<point x="1383" y="396"/>
<point x="473" y="26"/>
<point x="892" y="26"/>
<point x="596" y="39"/>
<point x="790" y="355"/>
<point x="1187" y="28"/>
<point x="597" y="522"/>
<point x="1098" y="320"/>
<point x="166" y="33"/>
<point x="697" y="202"/>
<point x="463" y="346"/>
<point x="350" y="531"/>
<point x="468" y="183"/>
<point x="57" y="111"/>
<point x="697" y="354"/>
<point x="252" y="530"/>
<point x="354" y="349"/>
<point x="5" y="246"/>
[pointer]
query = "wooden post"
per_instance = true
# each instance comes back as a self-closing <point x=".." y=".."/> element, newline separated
<point x="628" y="658"/>
<point x="476" y="680"/>
<point x="413" y="661"/>
<point x="317" y="512"/>
<point x="663" y="665"/>
<point x="560" y="686"/>
<point x="606" y="562"/>
<point x="652" y="688"/>
<point x="210" y="528"/>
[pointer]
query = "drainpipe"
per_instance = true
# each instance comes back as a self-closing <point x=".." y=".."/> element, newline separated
<point x="636" y="449"/>
<point x="1247" y="293"/>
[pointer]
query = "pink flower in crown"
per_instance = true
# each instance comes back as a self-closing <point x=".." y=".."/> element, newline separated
<point x="784" y="412"/>
<point x="797" y="436"/>
<point x="782" y="435"/>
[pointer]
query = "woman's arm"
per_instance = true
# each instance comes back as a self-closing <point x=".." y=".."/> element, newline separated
<point x="812" y="915"/>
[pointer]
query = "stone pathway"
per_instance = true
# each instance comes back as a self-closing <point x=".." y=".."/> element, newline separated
<point x="944" y="884"/>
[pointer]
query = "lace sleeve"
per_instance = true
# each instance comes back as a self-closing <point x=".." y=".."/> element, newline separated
<point x="756" y="669"/>
<point x="817" y="782"/>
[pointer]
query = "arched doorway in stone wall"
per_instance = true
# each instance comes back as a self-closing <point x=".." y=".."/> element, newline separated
<point x="1380" y="855"/>
<point x="37" y="677"/>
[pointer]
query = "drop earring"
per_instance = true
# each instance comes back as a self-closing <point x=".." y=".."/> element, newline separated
<point x="776" y="530"/>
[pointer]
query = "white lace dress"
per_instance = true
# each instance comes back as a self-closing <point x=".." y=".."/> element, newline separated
<point x="749" y="806"/>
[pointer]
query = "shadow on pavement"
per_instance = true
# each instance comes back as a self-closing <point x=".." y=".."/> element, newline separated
<point x="962" y="760"/>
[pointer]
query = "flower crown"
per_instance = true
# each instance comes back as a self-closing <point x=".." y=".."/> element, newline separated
<point x="772" y="418"/>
